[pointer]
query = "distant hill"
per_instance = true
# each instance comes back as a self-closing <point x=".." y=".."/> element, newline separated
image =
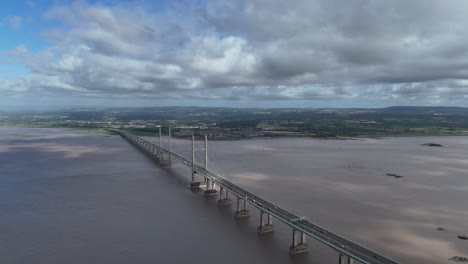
<point x="426" y="109"/>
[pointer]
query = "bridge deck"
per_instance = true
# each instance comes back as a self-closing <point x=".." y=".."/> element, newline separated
<point x="342" y="245"/>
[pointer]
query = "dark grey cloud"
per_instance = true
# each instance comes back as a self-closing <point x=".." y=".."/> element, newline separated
<point x="256" y="50"/>
<point x="364" y="35"/>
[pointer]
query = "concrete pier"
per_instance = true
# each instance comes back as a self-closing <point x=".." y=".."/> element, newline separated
<point x="240" y="213"/>
<point x="163" y="161"/>
<point x="226" y="200"/>
<point x="210" y="191"/>
<point x="204" y="182"/>
<point x="160" y="158"/>
<point x="343" y="259"/>
<point x="197" y="184"/>
<point x="268" y="226"/>
<point x="299" y="244"/>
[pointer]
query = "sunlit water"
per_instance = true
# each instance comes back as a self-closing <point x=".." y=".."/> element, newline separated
<point x="73" y="197"/>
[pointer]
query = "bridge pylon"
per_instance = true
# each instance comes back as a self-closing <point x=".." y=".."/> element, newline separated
<point x="157" y="152"/>
<point x="197" y="184"/>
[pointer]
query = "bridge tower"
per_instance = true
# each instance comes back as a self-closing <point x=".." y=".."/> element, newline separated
<point x="170" y="143"/>
<point x="160" y="155"/>
<point x="210" y="190"/>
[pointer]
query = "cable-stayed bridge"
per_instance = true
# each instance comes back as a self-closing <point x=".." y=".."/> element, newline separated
<point x="348" y="251"/>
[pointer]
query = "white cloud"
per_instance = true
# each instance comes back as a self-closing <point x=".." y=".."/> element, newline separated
<point x="14" y="22"/>
<point x="31" y="4"/>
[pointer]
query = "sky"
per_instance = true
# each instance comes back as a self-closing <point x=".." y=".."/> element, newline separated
<point x="233" y="53"/>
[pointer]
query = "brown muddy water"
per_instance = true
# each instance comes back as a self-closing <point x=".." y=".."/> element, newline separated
<point x="75" y="197"/>
<point x="349" y="186"/>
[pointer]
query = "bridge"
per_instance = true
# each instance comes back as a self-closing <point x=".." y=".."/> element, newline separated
<point x="348" y="251"/>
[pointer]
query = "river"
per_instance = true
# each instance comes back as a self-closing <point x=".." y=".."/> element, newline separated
<point x="76" y="197"/>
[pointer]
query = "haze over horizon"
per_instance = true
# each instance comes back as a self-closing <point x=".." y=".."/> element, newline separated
<point x="320" y="54"/>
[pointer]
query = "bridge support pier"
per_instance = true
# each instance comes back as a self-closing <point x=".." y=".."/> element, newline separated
<point x="204" y="182"/>
<point x="162" y="160"/>
<point x="226" y="200"/>
<point x="241" y="213"/>
<point x="343" y="259"/>
<point x="198" y="184"/>
<point x="153" y="149"/>
<point x="210" y="190"/>
<point x="299" y="244"/>
<point x="268" y="226"/>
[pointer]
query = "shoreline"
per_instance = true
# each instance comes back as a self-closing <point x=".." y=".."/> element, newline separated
<point x="279" y="135"/>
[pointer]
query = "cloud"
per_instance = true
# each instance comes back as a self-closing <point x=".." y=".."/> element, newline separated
<point x="31" y="4"/>
<point x="13" y="22"/>
<point x="257" y="50"/>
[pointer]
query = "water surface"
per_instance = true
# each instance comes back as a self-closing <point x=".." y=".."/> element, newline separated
<point x="74" y="197"/>
<point x="344" y="185"/>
